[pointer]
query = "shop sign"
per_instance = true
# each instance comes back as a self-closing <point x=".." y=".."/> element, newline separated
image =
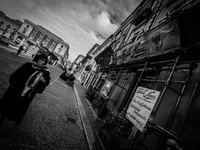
<point x="119" y="57"/>
<point x="141" y="106"/>
<point x="133" y="51"/>
<point x="128" y="52"/>
<point x="159" y="41"/>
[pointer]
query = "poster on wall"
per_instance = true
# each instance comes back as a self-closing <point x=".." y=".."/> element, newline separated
<point x="60" y="49"/>
<point x="141" y="106"/>
<point x="26" y="29"/>
<point x="106" y="88"/>
<point x="164" y="39"/>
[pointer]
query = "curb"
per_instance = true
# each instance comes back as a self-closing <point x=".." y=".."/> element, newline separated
<point x="85" y="122"/>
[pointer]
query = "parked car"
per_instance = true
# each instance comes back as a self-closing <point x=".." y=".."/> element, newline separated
<point x="67" y="76"/>
<point x="64" y="75"/>
<point x="4" y="40"/>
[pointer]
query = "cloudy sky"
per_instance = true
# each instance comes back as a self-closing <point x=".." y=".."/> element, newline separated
<point x="80" y="23"/>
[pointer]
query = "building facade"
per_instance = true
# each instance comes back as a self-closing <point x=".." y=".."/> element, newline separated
<point x="9" y="26"/>
<point x="76" y="64"/>
<point x="34" y="35"/>
<point x="148" y="78"/>
<point x="88" y="69"/>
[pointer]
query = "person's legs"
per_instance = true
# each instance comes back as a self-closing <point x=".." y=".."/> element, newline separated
<point x="19" y="50"/>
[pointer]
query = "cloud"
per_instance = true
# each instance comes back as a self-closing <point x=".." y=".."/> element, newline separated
<point x="80" y="23"/>
<point x="104" y="25"/>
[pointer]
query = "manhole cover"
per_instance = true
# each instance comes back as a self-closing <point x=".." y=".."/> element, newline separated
<point x="72" y="120"/>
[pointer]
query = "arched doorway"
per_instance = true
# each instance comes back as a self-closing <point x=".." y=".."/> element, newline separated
<point x="18" y="40"/>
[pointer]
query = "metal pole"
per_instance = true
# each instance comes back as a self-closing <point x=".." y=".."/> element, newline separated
<point x="166" y="85"/>
<point x="189" y="105"/>
<point x="136" y="85"/>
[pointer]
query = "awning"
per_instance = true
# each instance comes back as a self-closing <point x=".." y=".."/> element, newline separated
<point x="103" y="59"/>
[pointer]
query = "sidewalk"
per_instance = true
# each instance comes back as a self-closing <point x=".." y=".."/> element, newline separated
<point x="13" y="50"/>
<point x="87" y="114"/>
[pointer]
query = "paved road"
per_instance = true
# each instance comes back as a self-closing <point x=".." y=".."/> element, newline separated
<point x="52" y="121"/>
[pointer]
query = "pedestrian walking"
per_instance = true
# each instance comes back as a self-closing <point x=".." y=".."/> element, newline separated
<point x="30" y="79"/>
<point x="20" y="49"/>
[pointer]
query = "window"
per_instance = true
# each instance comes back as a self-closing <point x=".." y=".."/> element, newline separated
<point x="53" y="45"/>
<point x="40" y="38"/>
<point x="45" y="42"/>
<point x="33" y="34"/>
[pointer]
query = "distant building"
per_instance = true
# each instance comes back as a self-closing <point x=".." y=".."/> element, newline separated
<point x="68" y="64"/>
<point x="35" y="35"/>
<point x="77" y="63"/>
<point x="88" y="66"/>
<point x="32" y="36"/>
<point x="8" y="26"/>
<point x="145" y="91"/>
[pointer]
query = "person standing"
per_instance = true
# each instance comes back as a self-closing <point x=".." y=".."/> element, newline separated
<point x="30" y="79"/>
<point x="20" y="49"/>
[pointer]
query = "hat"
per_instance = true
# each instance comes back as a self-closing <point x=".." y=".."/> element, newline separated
<point x="40" y="56"/>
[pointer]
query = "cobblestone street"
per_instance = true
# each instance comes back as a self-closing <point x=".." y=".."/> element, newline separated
<point x="52" y="121"/>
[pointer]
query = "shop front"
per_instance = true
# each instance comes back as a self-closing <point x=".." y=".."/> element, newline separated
<point x="149" y="99"/>
<point x="174" y="78"/>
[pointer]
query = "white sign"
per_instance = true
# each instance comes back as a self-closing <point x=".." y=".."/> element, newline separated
<point x="60" y="49"/>
<point x="26" y="29"/>
<point x="141" y="106"/>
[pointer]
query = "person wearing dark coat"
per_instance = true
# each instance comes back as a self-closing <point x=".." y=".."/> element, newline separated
<point x="21" y="48"/>
<point x="25" y="82"/>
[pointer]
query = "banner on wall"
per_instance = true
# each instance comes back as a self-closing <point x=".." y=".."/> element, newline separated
<point x="164" y="39"/>
<point x="106" y="88"/>
<point x="141" y="106"/>
<point x="60" y="49"/>
<point x="25" y="29"/>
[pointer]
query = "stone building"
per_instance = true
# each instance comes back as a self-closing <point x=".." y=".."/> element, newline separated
<point x="146" y="90"/>
<point x="34" y="36"/>
<point x="9" y="26"/>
